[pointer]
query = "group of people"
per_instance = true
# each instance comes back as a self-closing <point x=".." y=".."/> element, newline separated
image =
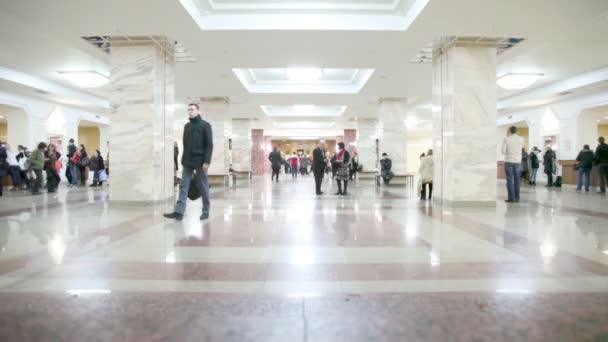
<point x="42" y="167"/>
<point x="518" y="163"/>
<point x="303" y="163"/>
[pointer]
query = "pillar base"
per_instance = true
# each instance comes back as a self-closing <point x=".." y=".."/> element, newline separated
<point x="465" y="204"/>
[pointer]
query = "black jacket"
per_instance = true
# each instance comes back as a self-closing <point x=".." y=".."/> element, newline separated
<point x="318" y="160"/>
<point x="548" y="162"/>
<point x="198" y="143"/>
<point x="275" y="158"/>
<point x="71" y="150"/>
<point x="601" y="153"/>
<point x="534" y="160"/>
<point x="585" y="159"/>
<point x="386" y="164"/>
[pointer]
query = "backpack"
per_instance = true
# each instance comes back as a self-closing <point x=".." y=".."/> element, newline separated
<point x="558" y="182"/>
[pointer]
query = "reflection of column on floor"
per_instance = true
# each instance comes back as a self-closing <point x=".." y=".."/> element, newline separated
<point x="215" y="112"/>
<point x="258" y="157"/>
<point x="141" y="131"/>
<point x="241" y="145"/>
<point x="366" y="144"/>
<point x="393" y="137"/>
<point x="464" y="125"/>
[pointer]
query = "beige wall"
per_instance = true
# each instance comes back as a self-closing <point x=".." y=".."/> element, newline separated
<point x="89" y="137"/>
<point x="3" y="132"/>
<point x="524" y="132"/>
<point x="602" y="131"/>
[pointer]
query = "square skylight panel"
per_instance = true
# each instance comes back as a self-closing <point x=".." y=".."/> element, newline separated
<point x="303" y="111"/>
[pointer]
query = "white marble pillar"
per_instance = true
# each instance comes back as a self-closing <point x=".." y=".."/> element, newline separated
<point x="216" y="113"/>
<point x="367" y="133"/>
<point x="464" y="125"/>
<point x="141" y="130"/>
<point x="393" y="134"/>
<point x="241" y="145"/>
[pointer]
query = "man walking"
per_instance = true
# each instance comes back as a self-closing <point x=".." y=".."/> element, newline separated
<point x="318" y="165"/>
<point x="72" y="149"/>
<point x="275" y="159"/>
<point x="601" y="156"/>
<point x="196" y="157"/>
<point x="511" y="148"/>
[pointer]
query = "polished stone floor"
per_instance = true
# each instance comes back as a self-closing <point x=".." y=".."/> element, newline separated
<point x="275" y="263"/>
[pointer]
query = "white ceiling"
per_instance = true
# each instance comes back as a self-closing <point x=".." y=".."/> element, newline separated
<point x="564" y="38"/>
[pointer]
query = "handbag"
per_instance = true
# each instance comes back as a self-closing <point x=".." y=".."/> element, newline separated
<point x="84" y="161"/>
<point x="103" y="176"/>
<point x="57" y="166"/>
<point x="195" y="191"/>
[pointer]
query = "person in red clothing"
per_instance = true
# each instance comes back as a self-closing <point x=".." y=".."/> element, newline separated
<point x="294" y="165"/>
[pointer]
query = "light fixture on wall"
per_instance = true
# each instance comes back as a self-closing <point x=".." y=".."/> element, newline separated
<point x="304" y="74"/>
<point x="85" y="79"/>
<point x="517" y="81"/>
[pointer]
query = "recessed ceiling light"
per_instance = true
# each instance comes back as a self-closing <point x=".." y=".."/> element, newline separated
<point x="85" y="79"/>
<point x="517" y="81"/>
<point x="304" y="74"/>
<point x="304" y="108"/>
<point x="411" y="121"/>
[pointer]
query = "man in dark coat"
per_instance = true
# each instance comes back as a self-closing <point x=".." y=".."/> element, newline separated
<point x="275" y="159"/>
<point x="196" y="157"/>
<point x="318" y="165"/>
<point x="601" y="156"/>
<point x="386" y="164"/>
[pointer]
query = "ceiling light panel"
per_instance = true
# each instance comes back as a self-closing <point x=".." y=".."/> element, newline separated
<point x="392" y="15"/>
<point x="85" y="79"/>
<point x="303" y="111"/>
<point x="517" y="81"/>
<point x="303" y="80"/>
<point x="304" y="124"/>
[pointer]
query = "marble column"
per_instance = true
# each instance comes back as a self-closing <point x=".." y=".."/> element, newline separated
<point x="464" y="125"/>
<point x="350" y="140"/>
<point x="216" y="112"/>
<point x="241" y="145"/>
<point x="367" y="133"/>
<point x="267" y="149"/>
<point x="393" y="134"/>
<point x="257" y="152"/>
<point x="141" y="130"/>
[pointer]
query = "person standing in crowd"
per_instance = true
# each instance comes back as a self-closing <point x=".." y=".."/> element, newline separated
<point x="512" y="147"/>
<point x="294" y="165"/>
<point x="286" y="163"/>
<point x="524" y="163"/>
<point x="22" y="157"/>
<point x="83" y="165"/>
<point x="53" y="168"/>
<point x="196" y="157"/>
<point x="275" y="160"/>
<point x="36" y="160"/>
<point x="386" y="164"/>
<point x="318" y="165"/>
<point x="343" y="163"/>
<point x="73" y="166"/>
<point x="354" y="166"/>
<point x="4" y="167"/>
<point x="14" y="170"/>
<point x="584" y="164"/>
<point x="601" y="158"/>
<point x="426" y="175"/>
<point x="549" y="165"/>
<point x="534" y="165"/>
<point x="334" y="165"/>
<point x="97" y="165"/>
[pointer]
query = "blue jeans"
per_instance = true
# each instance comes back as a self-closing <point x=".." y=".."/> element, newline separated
<point x="513" y="173"/>
<point x="15" y="175"/>
<point x="533" y="175"/>
<point x="74" y="172"/>
<point x="184" y="186"/>
<point x="581" y="172"/>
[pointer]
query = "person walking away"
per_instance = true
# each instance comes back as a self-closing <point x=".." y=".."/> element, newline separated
<point x="286" y="163"/>
<point x="83" y="165"/>
<point x="13" y="165"/>
<point x="584" y="163"/>
<point x="94" y="166"/>
<point x="386" y="164"/>
<point x="275" y="160"/>
<point x="549" y="160"/>
<point x="426" y="175"/>
<point x="53" y="168"/>
<point x="524" y="163"/>
<point x="601" y="158"/>
<point x="294" y="165"/>
<point x="37" y="162"/>
<point x="354" y="165"/>
<point x="512" y="147"/>
<point x="343" y="164"/>
<point x="534" y="165"/>
<point x="4" y="166"/>
<point x="196" y="157"/>
<point x="101" y="173"/>
<point x="72" y="165"/>
<point x="318" y="165"/>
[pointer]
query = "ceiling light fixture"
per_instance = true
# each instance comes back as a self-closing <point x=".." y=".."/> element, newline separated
<point x="303" y="108"/>
<point x="411" y="121"/>
<point x="304" y="74"/>
<point x="85" y="79"/>
<point x="517" y="81"/>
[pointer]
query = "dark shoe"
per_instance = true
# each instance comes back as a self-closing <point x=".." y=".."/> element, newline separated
<point x="175" y="216"/>
<point x="338" y="193"/>
<point x="509" y="201"/>
<point x="204" y="216"/>
<point x="320" y="193"/>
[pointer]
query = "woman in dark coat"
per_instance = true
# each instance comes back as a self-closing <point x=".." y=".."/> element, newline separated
<point x="342" y="165"/>
<point x="53" y="168"/>
<point x="83" y="164"/>
<point x="97" y="165"/>
<point x="550" y="168"/>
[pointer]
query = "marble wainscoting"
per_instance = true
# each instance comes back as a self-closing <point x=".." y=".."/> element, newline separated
<point x="258" y="156"/>
<point x="464" y="125"/>
<point x="141" y="134"/>
<point x="366" y="145"/>
<point x="241" y="145"/>
<point x="393" y="140"/>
